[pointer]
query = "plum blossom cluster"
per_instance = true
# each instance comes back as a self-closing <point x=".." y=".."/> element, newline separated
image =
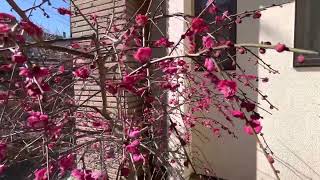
<point x="37" y="120"/>
<point x="117" y="109"/>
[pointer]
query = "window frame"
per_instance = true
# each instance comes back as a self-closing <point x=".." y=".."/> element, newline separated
<point x="301" y="8"/>
<point x="228" y="64"/>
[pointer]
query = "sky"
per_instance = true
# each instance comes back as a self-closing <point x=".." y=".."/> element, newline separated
<point x="56" y="24"/>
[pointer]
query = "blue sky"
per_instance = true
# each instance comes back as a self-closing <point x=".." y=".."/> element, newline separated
<point x="56" y="24"/>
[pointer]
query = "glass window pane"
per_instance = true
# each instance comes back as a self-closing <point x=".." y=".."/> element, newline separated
<point x="227" y="33"/>
<point x="307" y="30"/>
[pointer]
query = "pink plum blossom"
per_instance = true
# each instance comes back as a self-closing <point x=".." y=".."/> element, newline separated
<point x="37" y="120"/>
<point x="141" y="20"/>
<point x="253" y="127"/>
<point x="82" y="72"/>
<point x="209" y="64"/>
<point x="143" y="55"/>
<point x="208" y="42"/>
<point x="198" y="25"/>
<point x="238" y="114"/>
<point x="228" y="88"/>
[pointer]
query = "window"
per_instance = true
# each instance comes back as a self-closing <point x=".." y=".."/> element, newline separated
<point x="227" y="33"/>
<point x="307" y="30"/>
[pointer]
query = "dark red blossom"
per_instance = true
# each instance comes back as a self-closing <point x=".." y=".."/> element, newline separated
<point x="181" y="62"/>
<point x="228" y="88"/>
<point x="229" y="43"/>
<point x="171" y="69"/>
<point x="64" y="11"/>
<point x="216" y="132"/>
<point x="134" y="133"/>
<point x="111" y="88"/>
<point x="262" y="50"/>
<point x="253" y="127"/>
<point x="18" y="57"/>
<point x="34" y="71"/>
<point x="238" y="20"/>
<point x="241" y="50"/>
<point x="133" y="147"/>
<point x="55" y="131"/>
<point x="2" y="169"/>
<point x="207" y="42"/>
<point x="37" y="120"/>
<point x="31" y="28"/>
<point x="238" y="114"/>
<point x="129" y="81"/>
<point x="141" y="20"/>
<point x="34" y="90"/>
<point x="255" y="116"/>
<point x="4" y="28"/>
<point x="265" y="79"/>
<point x="20" y="38"/>
<point x="66" y="163"/>
<point x="82" y="72"/>
<point x="41" y="174"/>
<point x="6" y="67"/>
<point x="248" y="105"/>
<point x="3" y="151"/>
<point x="125" y="171"/>
<point x="212" y="9"/>
<point x="5" y="16"/>
<point x="256" y="15"/>
<point x="93" y="18"/>
<point x="270" y="159"/>
<point x="163" y="42"/>
<point x="280" y="47"/>
<point x="198" y="25"/>
<point x="3" y="96"/>
<point x="75" y="46"/>
<point x="143" y="55"/>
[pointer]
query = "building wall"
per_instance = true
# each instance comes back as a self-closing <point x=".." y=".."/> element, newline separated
<point x="292" y="132"/>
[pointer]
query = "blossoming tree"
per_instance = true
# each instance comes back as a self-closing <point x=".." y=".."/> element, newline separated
<point x="40" y="117"/>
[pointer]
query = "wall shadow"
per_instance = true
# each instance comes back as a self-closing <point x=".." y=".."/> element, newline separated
<point x="227" y="157"/>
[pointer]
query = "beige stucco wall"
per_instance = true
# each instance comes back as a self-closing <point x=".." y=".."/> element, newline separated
<point x="293" y="131"/>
